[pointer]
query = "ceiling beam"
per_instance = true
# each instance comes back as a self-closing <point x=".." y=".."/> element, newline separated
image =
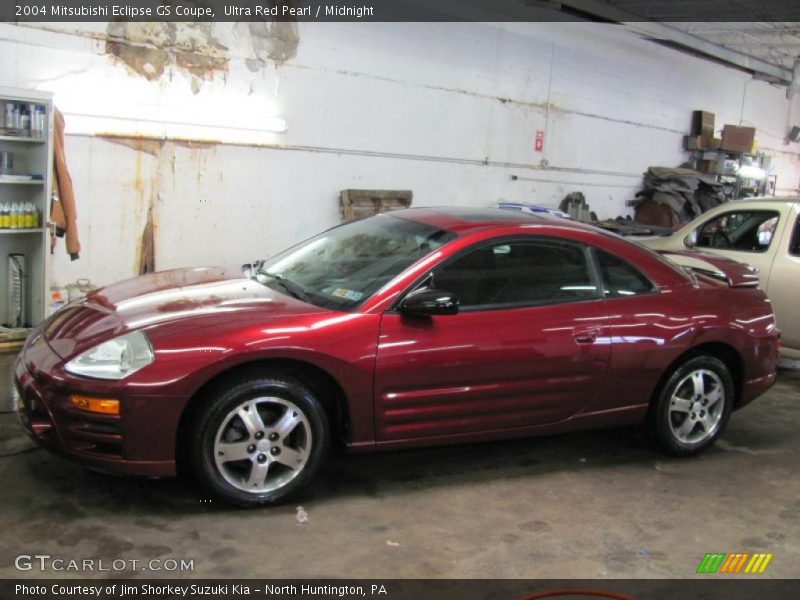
<point x="664" y="32"/>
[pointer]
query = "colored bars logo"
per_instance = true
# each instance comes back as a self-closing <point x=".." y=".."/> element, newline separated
<point x="739" y="562"/>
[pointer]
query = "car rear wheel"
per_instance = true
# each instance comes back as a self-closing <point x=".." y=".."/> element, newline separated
<point x="693" y="406"/>
<point x="259" y="439"/>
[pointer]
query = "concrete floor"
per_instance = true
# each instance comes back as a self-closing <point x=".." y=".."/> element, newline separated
<point x="600" y="504"/>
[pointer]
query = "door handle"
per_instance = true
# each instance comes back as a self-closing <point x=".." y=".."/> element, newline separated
<point x="585" y="336"/>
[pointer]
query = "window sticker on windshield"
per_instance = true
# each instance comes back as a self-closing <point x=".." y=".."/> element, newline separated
<point x="345" y="293"/>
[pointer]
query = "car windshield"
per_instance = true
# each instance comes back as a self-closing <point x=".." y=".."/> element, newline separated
<point x="342" y="267"/>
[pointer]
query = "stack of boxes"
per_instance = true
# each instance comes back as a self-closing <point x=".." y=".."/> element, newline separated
<point x="702" y="135"/>
<point x="713" y="151"/>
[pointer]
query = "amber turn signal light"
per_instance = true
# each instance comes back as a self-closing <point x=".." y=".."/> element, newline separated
<point x="104" y="406"/>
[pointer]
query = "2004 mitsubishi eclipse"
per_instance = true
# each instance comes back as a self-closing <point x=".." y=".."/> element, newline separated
<point x="418" y="327"/>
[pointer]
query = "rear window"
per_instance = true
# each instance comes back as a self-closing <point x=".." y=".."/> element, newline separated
<point x="620" y="278"/>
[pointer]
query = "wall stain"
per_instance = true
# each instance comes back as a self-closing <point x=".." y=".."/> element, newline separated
<point x="149" y="145"/>
<point x="145" y="187"/>
<point x="147" y="245"/>
<point x="275" y="42"/>
<point x="148" y="49"/>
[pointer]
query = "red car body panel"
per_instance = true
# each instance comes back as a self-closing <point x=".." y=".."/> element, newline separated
<point x="406" y="381"/>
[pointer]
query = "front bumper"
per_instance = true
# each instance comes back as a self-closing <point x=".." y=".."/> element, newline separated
<point x="122" y="444"/>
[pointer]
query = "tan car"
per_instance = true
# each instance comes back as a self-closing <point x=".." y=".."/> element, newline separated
<point x="763" y="233"/>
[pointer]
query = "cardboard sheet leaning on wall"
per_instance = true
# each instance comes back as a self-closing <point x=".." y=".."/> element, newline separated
<point x="63" y="213"/>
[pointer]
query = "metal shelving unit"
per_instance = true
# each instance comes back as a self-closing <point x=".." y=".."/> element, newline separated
<point x="31" y="156"/>
<point x="738" y="186"/>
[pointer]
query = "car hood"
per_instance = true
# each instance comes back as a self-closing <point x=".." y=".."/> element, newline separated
<point x="653" y="242"/>
<point x="731" y="272"/>
<point x="197" y="297"/>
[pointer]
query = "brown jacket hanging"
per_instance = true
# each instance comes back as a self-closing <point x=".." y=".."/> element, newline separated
<point x="63" y="213"/>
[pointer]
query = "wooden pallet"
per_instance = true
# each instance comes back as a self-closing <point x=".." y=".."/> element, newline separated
<point x="357" y="204"/>
<point x="13" y="341"/>
<point x="15" y="346"/>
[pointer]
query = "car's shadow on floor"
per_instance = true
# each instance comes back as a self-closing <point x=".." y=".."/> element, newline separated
<point x="64" y="487"/>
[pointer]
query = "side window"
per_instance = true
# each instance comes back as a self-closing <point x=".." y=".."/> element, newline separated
<point x="520" y="273"/>
<point x="743" y="231"/>
<point x="620" y="278"/>
<point x="794" y="248"/>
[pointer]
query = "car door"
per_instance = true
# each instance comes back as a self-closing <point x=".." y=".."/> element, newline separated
<point x="520" y="352"/>
<point x="645" y="331"/>
<point x="745" y="235"/>
<point x="783" y="287"/>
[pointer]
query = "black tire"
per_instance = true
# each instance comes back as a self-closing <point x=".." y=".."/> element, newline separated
<point x="685" y="422"/>
<point x="218" y="426"/>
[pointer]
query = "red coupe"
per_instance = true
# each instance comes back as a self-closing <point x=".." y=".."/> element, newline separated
<point x="418" y="327"/>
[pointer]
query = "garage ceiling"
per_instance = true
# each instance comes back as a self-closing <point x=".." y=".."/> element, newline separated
<point x="758" y="36"/>
<point x="775" y="43"/>
<point x="761" y="37"/>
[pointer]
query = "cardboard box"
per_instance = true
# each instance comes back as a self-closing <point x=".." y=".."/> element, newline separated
<point x="703" y="123"/>
<point x="692" y="142"/>
<point x="699" y="142"/>
<point x="738" y="139"/>
<point x="707" y="166"/>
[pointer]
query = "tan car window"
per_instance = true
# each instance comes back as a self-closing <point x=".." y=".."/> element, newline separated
<point x="741" y="231"/>
<point x="795" y="246"/>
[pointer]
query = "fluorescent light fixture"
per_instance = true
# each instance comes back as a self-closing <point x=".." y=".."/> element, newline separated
<point x="97" y="124"/>
<point x="130" y="107"/>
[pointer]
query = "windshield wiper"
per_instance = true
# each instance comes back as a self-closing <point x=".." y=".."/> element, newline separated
<point x="294" y="290"/>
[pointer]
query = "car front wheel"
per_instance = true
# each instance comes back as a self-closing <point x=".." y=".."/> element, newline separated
<point x="693" y="406"/>
<point x="258" y="439"/>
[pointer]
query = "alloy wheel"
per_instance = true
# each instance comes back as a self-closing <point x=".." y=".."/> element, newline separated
<point x="262" y="444"/>
<point x="697" y="406"/>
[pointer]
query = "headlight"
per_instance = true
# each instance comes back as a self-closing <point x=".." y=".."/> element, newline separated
<point x="114" y="359"/>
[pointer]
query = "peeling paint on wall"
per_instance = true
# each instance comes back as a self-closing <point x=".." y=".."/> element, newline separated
<point x="148" y="48"/>
<point x="148" y="178"/>
<point x="147" y="246"/>
<point x="141" y="144"/>
<point x="277" y="42"/>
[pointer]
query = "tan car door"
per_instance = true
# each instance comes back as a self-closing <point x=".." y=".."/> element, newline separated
<point x="783" y="287"/>
<point x="747" y="235"/>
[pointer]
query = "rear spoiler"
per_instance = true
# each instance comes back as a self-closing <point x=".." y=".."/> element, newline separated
<point x="730" y="272"/>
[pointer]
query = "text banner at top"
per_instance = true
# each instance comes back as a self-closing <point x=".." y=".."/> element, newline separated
<point x="397" y="10"/>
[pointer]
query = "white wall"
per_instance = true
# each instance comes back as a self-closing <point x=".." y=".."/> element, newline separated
<point x="447" y="110"/>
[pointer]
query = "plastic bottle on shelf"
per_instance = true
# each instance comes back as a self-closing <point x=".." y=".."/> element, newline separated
<point x="38" y="123"/>
<point x="5" y="216"/>
<point x="9" y="122"/>
<point x="14" y="216"/>
<point x="25" y="120"/>
<point x="34" y="217"/>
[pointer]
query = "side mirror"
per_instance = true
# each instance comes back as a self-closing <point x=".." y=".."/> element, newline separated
<point x="427" y="302"/>
<point x="691" y="240"/>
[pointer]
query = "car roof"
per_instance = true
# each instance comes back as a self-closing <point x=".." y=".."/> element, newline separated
<point x="464" y="220"/>
<point x="763" y="202"/>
